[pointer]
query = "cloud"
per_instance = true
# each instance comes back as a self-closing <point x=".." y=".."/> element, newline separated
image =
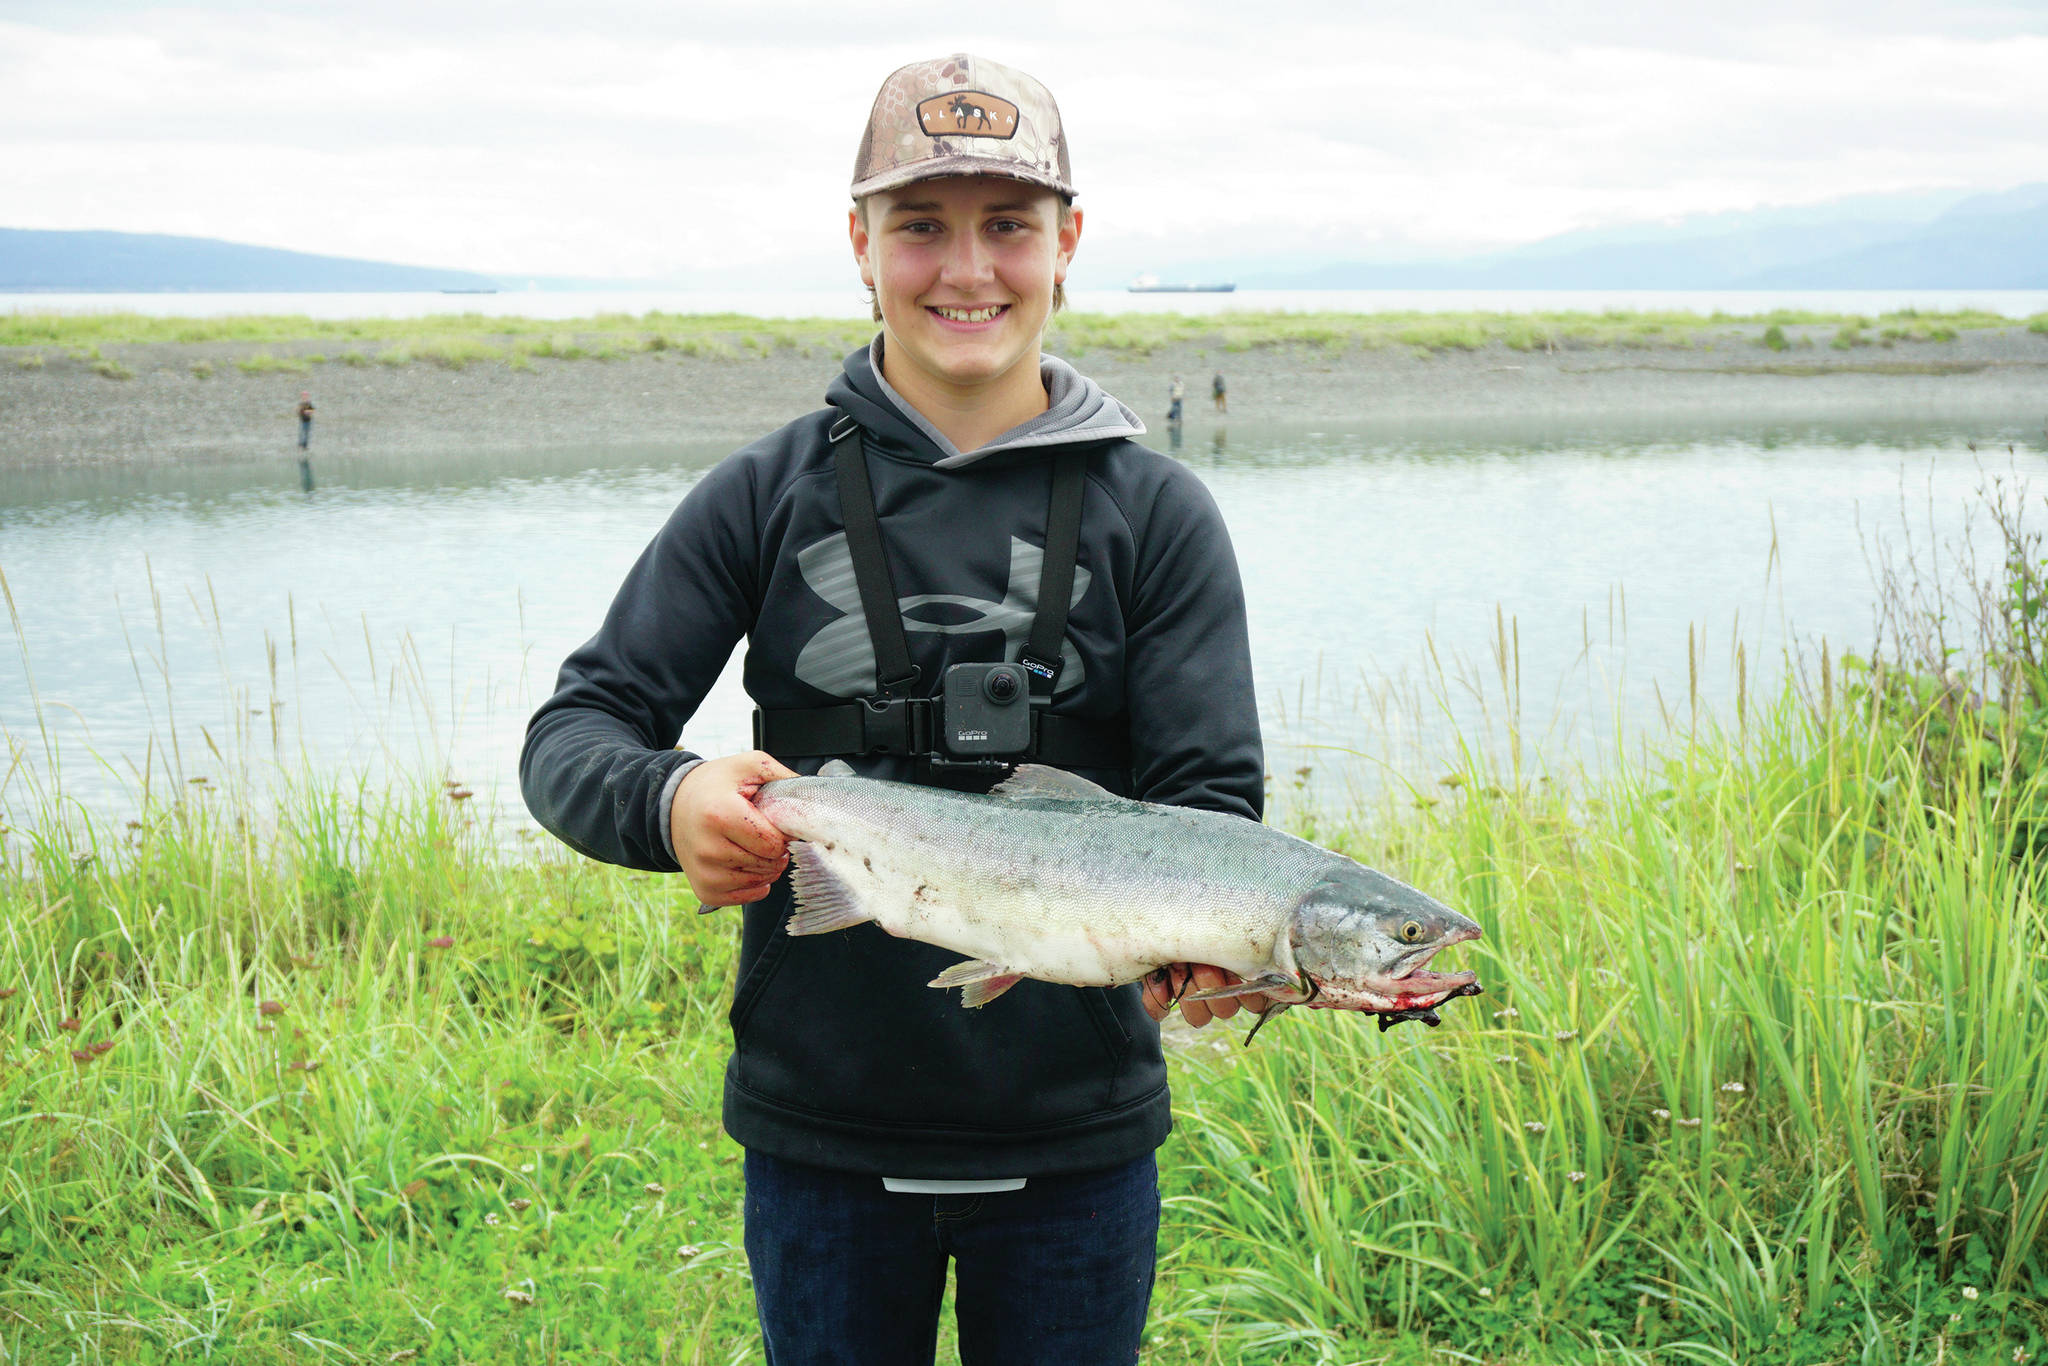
<point x="648" y="139"/>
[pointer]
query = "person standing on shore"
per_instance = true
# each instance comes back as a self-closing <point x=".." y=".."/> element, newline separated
<point x="887" y="1130"/>
<point x="1175" y="397"/>
<point x="305" y="419"/>
<point x="1216" y="392"/>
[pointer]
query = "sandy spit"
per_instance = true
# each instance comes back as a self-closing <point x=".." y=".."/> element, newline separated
<point x="190" y="404"/>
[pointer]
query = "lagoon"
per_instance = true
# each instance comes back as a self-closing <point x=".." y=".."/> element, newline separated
<point x="407" y="614"/>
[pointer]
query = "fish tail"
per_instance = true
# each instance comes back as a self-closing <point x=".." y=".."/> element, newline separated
<point x="823" y="902"/>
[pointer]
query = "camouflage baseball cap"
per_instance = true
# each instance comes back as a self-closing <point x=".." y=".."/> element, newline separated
<point x="962" y="115"/>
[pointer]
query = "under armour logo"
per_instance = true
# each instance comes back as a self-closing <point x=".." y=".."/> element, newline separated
<point x="840" y="659"/>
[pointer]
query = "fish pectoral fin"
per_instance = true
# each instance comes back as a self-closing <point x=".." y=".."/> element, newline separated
<point x="1042" y="780"/>
<point x="978" y="994"/>
<point x="1271" y="981"/>
<point x="979" y="982"/>
<point x="837" y="768"/>
<point x="823" y="902"/>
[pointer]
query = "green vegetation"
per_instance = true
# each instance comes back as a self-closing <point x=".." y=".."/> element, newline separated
<point x="2038" y="323"/>
<point x="202" y="369"/>
<point x="108" y="368"/>
<point x="32" y="361"/>
<point x="264" y="363"/>
<point x="456" y="341"/>
<point x="1761" y="1074"/>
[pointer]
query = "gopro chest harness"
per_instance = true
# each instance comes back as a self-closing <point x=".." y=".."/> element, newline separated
<point x="987" y="716"/>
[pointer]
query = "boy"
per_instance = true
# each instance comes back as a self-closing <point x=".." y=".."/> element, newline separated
<point x="887" y="1129"/>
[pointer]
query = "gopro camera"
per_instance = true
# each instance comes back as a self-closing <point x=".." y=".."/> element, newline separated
<point x="985" y="711"/>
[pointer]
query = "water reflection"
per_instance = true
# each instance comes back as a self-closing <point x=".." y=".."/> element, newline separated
<point x="36" y="490"/>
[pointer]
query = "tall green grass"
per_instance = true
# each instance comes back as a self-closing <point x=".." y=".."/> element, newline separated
<point x="301" y="1069"/>
<point x="338" y="1082"/>
<point x="1762" y="1075"/>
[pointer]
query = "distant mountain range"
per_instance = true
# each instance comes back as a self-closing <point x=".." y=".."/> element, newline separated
<point x="33" y="261"/>
<point x="1937" y="239"/>
<point x="1932" y="240"/>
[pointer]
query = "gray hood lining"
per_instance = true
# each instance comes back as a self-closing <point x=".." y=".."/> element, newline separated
<point x="1077" y="409"/>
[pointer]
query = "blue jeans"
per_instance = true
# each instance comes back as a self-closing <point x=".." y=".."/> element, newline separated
<point x="847" y="1272"/>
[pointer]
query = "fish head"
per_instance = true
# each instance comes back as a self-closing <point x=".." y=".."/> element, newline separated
<point x="1363" y="941"/>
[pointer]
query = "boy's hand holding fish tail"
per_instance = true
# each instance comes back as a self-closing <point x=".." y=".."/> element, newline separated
<point x="729" y="853"/>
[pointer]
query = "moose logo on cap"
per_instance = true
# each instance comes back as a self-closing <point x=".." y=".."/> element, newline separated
<point x="967" y="113"/>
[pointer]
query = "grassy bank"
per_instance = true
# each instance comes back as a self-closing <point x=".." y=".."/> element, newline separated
<point x="1761" y="1075"/>
<point x="1762" y="1069"/>
<point x="327" y="1075"/>
<point x="261" y="343"/>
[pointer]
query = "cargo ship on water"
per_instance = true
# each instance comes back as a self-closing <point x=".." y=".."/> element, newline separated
<point x="1151" y="284"/>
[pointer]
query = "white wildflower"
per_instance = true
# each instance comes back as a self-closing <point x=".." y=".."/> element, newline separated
<point x="1661" y="1114"/>
<point x="656" y="1188"/>
<point x="1575" y="1177"/>
<point x="1534" y="1126"/>
<point x="1733" y="1087"/>
<point x="1969" y="1292"/>
<point x="1566" y="1035"/>
<point x="1688" y="1123"/>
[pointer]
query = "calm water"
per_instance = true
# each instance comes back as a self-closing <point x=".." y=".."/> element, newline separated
<point x="851" y="302"/>
<point x="410" y="615"/>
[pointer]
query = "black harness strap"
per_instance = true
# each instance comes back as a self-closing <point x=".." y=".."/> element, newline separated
<point x="908" y="726"/>
<point x="894" y="673"/>
<point x="1041" y="655"/>
<point x="893" y="723"/>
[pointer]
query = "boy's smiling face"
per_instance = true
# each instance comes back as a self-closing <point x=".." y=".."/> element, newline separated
<point x="963" y="269"/>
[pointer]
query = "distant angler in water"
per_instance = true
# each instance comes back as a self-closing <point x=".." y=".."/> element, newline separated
<point x="305" y="440"/>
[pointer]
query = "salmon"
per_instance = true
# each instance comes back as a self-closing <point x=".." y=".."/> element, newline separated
<point x="1052" y="877"/>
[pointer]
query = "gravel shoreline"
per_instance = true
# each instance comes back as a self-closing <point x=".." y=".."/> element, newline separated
<point x="190" y="404"/>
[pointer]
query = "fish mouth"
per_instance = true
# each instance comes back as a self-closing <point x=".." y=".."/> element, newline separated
<point x="1418" y="982"/>
<point x="1412" y="986"/>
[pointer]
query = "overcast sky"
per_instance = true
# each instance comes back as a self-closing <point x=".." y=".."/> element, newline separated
<point x="663" y="139"/>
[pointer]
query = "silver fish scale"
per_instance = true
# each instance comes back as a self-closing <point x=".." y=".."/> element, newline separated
<point x="1087" y="891"/>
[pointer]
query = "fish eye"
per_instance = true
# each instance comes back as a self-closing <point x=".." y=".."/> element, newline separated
<point x="1412" y="931"/>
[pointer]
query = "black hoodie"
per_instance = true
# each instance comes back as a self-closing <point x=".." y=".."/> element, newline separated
<point x="842" y="1056"/>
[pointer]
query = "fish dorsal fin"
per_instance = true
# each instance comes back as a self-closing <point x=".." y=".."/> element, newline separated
<point x="837" y="768"/>
<point x="1042" y="780"/>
